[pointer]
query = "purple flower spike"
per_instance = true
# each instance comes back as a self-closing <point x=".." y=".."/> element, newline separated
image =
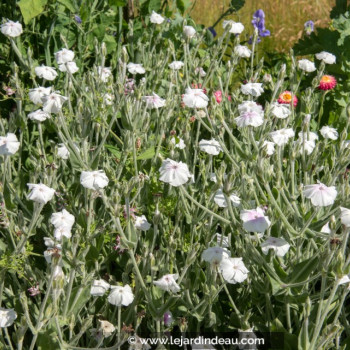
<point x="259" y="23"/>
<point x="77" y="19"/>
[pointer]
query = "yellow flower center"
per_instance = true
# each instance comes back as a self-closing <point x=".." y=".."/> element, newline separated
<point x="326" y="79"/>
<point x="287" y="96"/>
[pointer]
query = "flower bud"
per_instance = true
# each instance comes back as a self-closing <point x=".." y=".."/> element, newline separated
<point x="104" y="49"/>
<point x="168" y="318"/>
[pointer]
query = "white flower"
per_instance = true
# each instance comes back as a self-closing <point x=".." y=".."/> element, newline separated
<point x="344" y="279"/>
<point x="235" y="27"/>
<point x="189" y="32"/>
<point x="58" y="273"/>
<point x="176" y="65"/>
<point x="280" y="111"/>
<point x="174" y="173"/>
<point x="210" y="146"/>
<point x="121" y="295"/>
<point x="51" y="250"/>
<point x="220" y="200"/>
<point x="180" y="144"/>
<point x="195" y="98"/>
<point x="38" y="115"/>
<point x="71" y="67"/>
<point x="35" y="95"/>
<point x="214" y="255"/>
<point x="308" y="146"/>
<point x="326" y="57"/>
<point x="53" y="103"/>
<point x="99" y="288"/>
<point x="7" y="316"/>
<point x="250" y="106"/>
<point x="254" y="220"/>
<point x="104" y="73"/>
<point x="345" y="216"/>
<point x="168" y="283"/>
<point x="252" y="118"/>
<point x="200" y="71"/>
<point x="329" y="133"/>
<point x="94" y="180"/>
<point x="306" y="65"/>
<point x="222" y="240"/>
<point x="106" y="328"/>
<point x="64" y="56"/>
<point x="253" y="89"/>
<point x="40" y="193"/>
<point x="279" y="245"/>
<point x="154" y="101"/>
<point x="306" y="141"/>
<point x="47" y="73"/>
<point x="59" y="232"/>
<point x="326" y="229"/>
<point x="320" y="194"/>
<point x="242" y="51"/>
<point x="62" y="151"/>
<point x="308" y="136"/>
<point x="156" y="18"/>
<point x="269" y="147"/>
<point x="108" y="99"/>
<point x="135" y="68"/>
<point x="49" y="242"/>
<point x="11" y="29"/>
<point x="282" y="136"/>
<point x="141" y="223"/>
<point x="62" y="219"/>
<point x="233" y="270"/>
<point x="307" y="118"/>
<point x="9" y="144"/>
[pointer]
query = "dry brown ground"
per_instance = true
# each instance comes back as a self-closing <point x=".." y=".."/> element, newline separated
<point x="285" y="19"/>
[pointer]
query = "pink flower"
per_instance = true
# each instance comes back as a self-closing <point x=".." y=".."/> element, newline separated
<point x="218" y="96"/>
<point x="286" y="98"/>
<point x="33" y="291"/>
<point x="320" y="194"/>
<point x="254" y="220"/>
<point x="327" y="82"/>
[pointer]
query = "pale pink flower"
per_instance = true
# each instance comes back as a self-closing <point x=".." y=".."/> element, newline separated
<point x="174" y="173"/>
<point x="320" y="194"/>
<point x="254" y="220"/>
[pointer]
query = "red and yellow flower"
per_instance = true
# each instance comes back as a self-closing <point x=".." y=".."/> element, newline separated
<point x="327" y="82"/>
<point x="286" y="98"/>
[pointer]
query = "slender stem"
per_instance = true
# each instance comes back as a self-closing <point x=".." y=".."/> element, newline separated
<point x="119" y="322"/>
<point x="203" y="207"/>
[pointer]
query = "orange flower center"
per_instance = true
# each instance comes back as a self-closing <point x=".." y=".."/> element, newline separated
<point x="326" y="79"/>
<point x="287" y="96"/>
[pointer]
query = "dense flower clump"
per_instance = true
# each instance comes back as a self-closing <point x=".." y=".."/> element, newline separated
<point x="175" y="186"/>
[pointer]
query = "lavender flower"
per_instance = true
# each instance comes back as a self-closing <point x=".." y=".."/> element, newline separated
<point x="77" y="19"/>
<point x="309" y="27"/>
